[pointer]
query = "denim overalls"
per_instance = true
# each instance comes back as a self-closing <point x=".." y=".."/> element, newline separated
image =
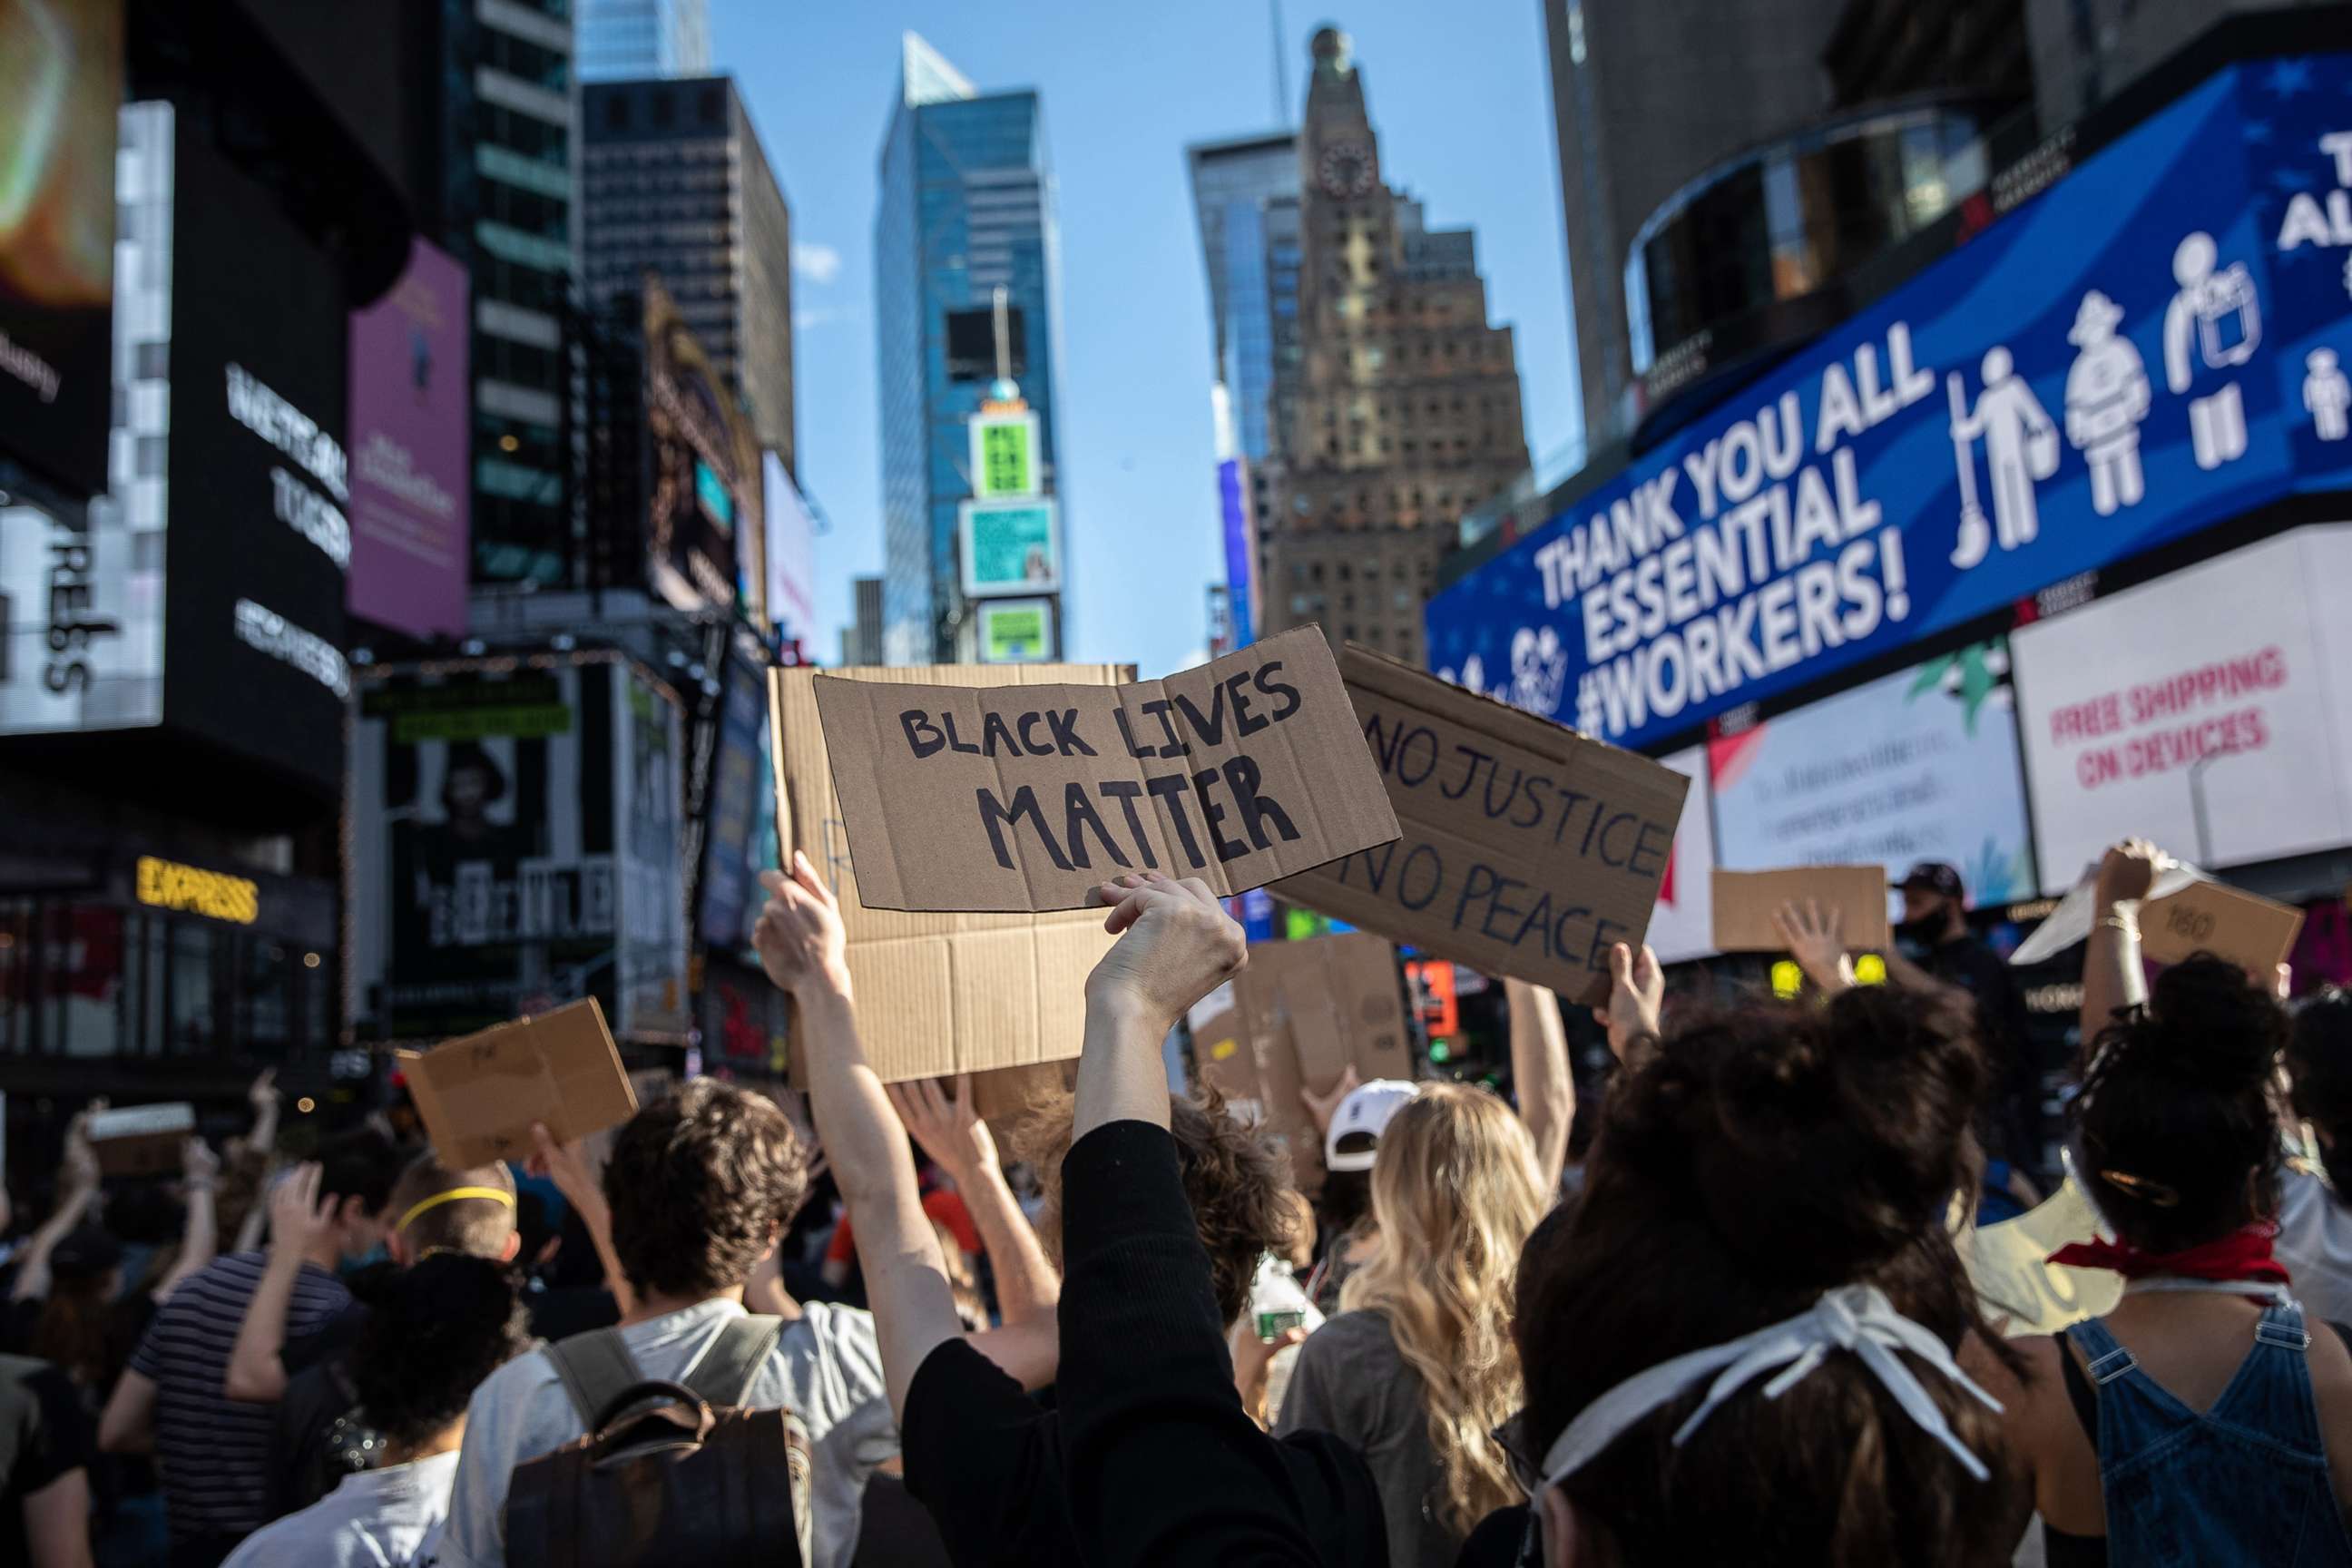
<point x="2245" y="1484"/>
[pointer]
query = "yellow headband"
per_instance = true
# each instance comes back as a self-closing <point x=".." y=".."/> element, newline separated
<point x="496" y="1194"/>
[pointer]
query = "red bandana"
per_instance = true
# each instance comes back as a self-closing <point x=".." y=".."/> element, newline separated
<point x="2242" y="1255"/>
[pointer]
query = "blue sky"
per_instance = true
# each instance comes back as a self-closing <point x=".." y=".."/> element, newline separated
<point x="1460" y="97"/>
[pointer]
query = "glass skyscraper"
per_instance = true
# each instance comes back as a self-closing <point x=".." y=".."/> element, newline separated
<point x="1245" y="197"/>
<point x="967" y="209"/>
<point x="626" y="40"/>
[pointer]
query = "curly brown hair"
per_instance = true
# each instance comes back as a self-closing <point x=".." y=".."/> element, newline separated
<point x="1236" y="1179"/>
<point x="699" y="1185"/>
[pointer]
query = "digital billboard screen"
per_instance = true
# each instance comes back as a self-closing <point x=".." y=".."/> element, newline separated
<point x="707" y="545"/>
<point x="60" y="87"/>
<point x="258" y="541"/>
<point x="409" y="406"/>
<point x="2152" y="345"/>
<point x="1921" y="765"/>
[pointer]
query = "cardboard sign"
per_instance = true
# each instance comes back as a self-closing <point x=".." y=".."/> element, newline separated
<point x="2254" y="932"/>
<point x="1027" y="797"/>
<point x="1745" y="902"/>
<point x="141" y="1140"/>
<point x="478" y="1095"/>
<point x="2070" y="922"/>
<point x="1226" y="1056"/>
<point x="1526" y="849"/>
<point x="1311" y="1010"/>
<point x="2015" y="1282"/>
<point x="938" y="993"/>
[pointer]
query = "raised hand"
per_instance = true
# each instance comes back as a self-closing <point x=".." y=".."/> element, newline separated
<point x="1176" y="945"/>
<point x="800" y="935"/>
<point x="949" y="1130"/>
<point x="1637" y="991"/>
<point x="2127" y="871"/>
<point x="1817" y="942"/>
<point x="1323" y="1107"/>
<point x="301" y="1223"/>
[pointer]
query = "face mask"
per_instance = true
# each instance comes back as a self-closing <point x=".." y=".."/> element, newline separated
<point x="1924" y="930"/>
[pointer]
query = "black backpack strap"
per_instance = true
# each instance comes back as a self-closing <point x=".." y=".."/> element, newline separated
<point x="722" y="1376"/>
<point x="596" y="1368"/>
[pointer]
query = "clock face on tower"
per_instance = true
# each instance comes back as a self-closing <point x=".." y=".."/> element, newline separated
<point x="1345" y="169"/>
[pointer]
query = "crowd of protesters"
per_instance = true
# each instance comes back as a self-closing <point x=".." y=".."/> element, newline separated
<point x="1738" y="1329"/>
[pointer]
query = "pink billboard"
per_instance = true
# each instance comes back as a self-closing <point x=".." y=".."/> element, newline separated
<point x="408" y="446"/>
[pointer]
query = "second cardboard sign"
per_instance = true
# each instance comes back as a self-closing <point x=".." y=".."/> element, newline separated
<point x="1745" y="902"/>
<point x="1028" y="797"/>
<point x="1526" y="849"/>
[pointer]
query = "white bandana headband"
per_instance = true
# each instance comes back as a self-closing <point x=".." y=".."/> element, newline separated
<point x="1853" y="1318"/>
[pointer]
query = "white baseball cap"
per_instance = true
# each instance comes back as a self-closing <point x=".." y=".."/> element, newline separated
<point x="1365" y="1112"/>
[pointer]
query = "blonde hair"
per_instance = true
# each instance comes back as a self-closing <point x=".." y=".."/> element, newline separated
<point x="1455" y="1190"/>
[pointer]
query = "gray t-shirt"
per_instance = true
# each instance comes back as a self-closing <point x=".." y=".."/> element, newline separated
<point x="826" y="1367"/>
<point x="1351" y="1383"/>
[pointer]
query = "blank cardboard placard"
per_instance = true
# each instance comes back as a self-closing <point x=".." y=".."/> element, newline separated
<point x="1745" y="900"/>
<point x="2254" y="932"/>
<point x="1524" y="848"/>
<point x="2070" y="922"/>
<point x="1311" y="1010"/>
<point x="478" y="1095"/>
<point x="1028" y="797"/>
<point x="938" y="993"/>
<point x="1225" y="1055"/>
<point x="141" y="1140"/>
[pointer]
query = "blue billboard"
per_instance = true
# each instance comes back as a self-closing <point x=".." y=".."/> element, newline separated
<point x="2156" y="343"/>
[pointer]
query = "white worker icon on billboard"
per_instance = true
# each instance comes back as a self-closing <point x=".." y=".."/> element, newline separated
<point x="2213" y="324"/>
<point x="2106" y="397"/>
<point x="2021" y="447"/>
<point x="2327" y="394"/>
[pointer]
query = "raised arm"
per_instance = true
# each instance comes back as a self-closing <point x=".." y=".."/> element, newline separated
<point x="200" y="1239"/>
<point x="801" y="945"/>
<point x="2112" y="977"/>
<point x="1816" y="939"/>
<point x="1540" y="1075"/>
<point x="948" y="1127"/>
<point x="1146" y="1373"/>
<point x="567" y="1165"/>
<point x="77" y="1189"/>
<point x="301" y="1223"/>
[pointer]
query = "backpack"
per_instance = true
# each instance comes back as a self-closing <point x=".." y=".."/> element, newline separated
<point x="667" y="1472"/>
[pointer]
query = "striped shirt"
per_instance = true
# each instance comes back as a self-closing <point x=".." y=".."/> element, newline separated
<point x="212" y="1451"/>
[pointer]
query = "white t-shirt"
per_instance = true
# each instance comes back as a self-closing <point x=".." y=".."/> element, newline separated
<point x="826" y="1368"/>
<point x="1274" y="1288"/>
<point x="376" y="1519"/>
<point x="2314" y="1242"/>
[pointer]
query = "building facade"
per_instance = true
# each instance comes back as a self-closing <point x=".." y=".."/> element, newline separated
<point x="628" y="40"/>
<point x="675" y="183"/>
<point x="861" y="640"/>
<point x="1404" y="409"/>
<point x="965" y="219"/>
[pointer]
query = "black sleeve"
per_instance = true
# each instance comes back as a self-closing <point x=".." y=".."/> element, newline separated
<point x="53" y="1437"/>
<point x="977" y="1455"/>
<point x="1147" y="1390"/>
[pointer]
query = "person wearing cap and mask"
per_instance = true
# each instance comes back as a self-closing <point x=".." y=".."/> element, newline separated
<point x="1934" y="947"/>
<point x="1351" y="1118"/>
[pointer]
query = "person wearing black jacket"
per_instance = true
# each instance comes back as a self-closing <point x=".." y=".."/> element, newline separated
<point x="1148" y="1456"/>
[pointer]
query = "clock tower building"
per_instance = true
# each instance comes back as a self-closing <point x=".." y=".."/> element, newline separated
<point x="1401" y="407"/>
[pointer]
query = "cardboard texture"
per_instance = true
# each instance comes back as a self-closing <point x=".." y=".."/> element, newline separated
<point x="2254" y="932"/>
<point x="1226" y="1056"/>
<point x="938" y="993"/>
<point x="1310" y="1009"/>
<point x="479" y="1094"/>
<point x="141" y="1140"/>
<point x="2019" y="1286"/>
<point x="1028" y="796"/>
<point x="2070" y="922"/>
<point x="1745" y="900"/>
<point x="1525" y="849"/>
